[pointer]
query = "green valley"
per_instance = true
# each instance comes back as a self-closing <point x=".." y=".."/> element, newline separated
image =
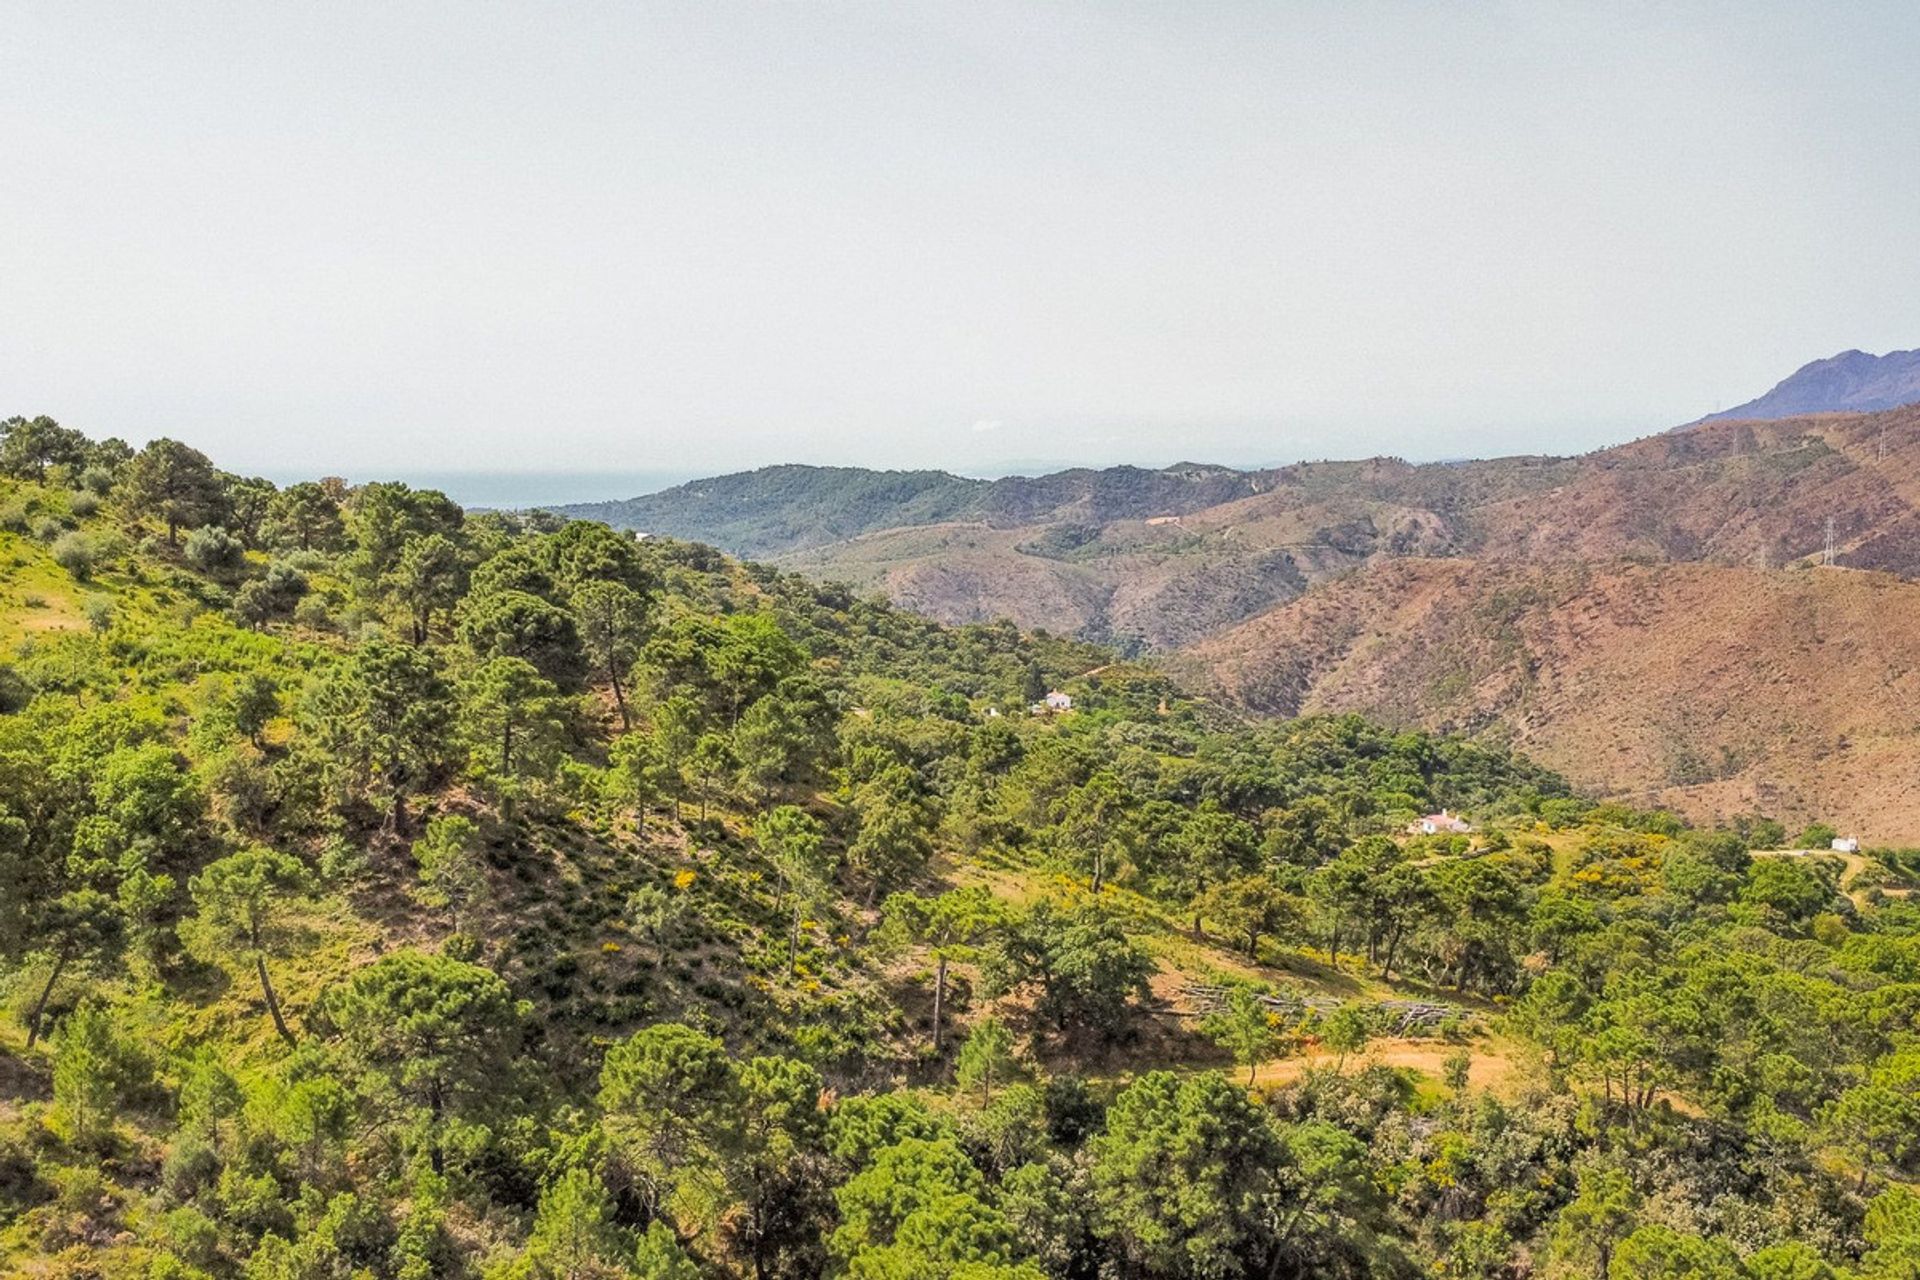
<point x="389" y="891"/>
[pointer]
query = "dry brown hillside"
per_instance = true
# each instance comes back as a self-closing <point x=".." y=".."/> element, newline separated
<point x="1752" y="493"/>
<point x="1164" y="575"/>
<point x="1140" y="586"/>
<point x="1711" y="689"/>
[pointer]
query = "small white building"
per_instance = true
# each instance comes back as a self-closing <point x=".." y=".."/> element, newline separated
<point x="1845" y="844"/>
<point x="1440" y="824"/>
<point x="1058" y="701"/>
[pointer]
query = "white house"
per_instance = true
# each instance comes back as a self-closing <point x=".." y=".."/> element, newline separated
<point x="1058" y="701"/>
<point x="1845" y="844"/>
<point x="1441" y="823"/>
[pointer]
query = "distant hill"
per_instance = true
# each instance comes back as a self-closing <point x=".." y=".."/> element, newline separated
<point x="1754" y="494"/>
<point x="1496" y="596"/>
<point x="1713" y="690"/>
<point x="776" y="510"/>
<point x="1654" y="620"/>
<point x="1160" y="559"/>
<point x="1852" y="381"/>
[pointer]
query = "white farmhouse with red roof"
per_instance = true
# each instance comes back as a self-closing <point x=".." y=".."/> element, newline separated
<point x="1440" y="824"/>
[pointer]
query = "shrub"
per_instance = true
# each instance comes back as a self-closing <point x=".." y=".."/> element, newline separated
<point x="14" y="517"/>
<point x="99" y="612"/>
<point x="342" y="862"/>
<point x="15" y="692"/>
<point x="47" y="528"/>
<point x="86" y="1077"/>
<point x="254" y="604"/>
<point x="314" y="613"/>
<point x="284" y="586"/>
<point x="97" y="481"/>
<point x="74" y="552"/>
<point x="1818" y="835"/>
<point x="80" y="1189"/>
<point x="288" y="581"/>
<point x="83" y="503"/>
<point x="214" y="551"/>
<point x="193" y="1235"/>
<point x="110" y="546"/>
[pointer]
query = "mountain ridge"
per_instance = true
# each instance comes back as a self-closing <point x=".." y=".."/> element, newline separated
<point x="1851" y="381"/>
<point x="789" y="507"/>
<point x="786" y="507"/>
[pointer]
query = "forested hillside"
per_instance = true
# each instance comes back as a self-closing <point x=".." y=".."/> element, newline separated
<point x="393" y="892"/>
<point x="787" y="507"/>
<point x="782" y="509"/>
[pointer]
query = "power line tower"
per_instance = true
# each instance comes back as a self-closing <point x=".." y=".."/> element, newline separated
<point x="1827" y="557"/>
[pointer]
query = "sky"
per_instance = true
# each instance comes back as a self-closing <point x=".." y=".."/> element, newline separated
<point x="679" y="238"/>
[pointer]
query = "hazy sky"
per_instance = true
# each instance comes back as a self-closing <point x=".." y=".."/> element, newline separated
<point x="705" y="236"/>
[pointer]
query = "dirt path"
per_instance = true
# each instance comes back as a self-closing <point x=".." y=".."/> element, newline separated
<point x="1493" y="1069"/>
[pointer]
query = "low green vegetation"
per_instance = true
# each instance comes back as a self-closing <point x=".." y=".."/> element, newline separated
<point x="393" y="892"/>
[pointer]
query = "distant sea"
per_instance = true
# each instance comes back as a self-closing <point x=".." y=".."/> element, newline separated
<point x="519" y="489"/>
